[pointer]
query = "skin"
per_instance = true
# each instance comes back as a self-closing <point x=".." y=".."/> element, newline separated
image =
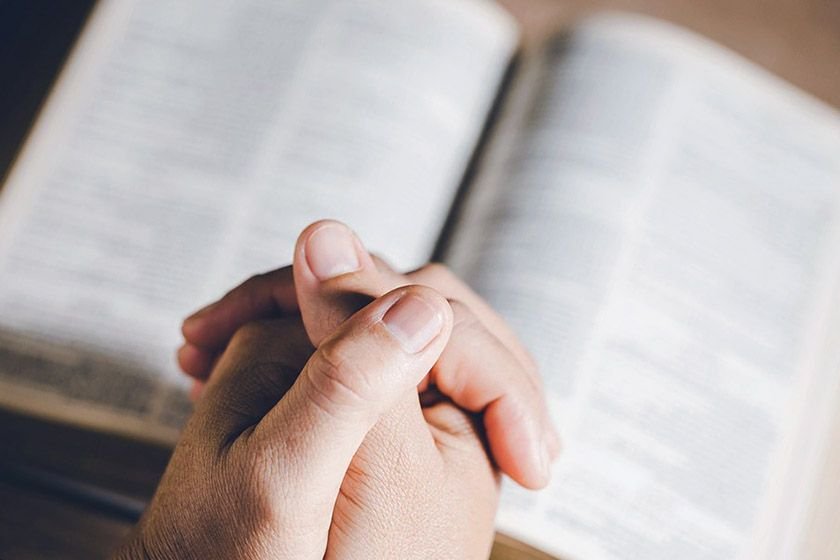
<point x="336" y="454"/>
<point x="485" y="368"/>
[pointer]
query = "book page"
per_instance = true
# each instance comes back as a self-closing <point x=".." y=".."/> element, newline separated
<point x="663" y="232"/>
<point x="185" y="147"/>
<point x="820" y="535"/>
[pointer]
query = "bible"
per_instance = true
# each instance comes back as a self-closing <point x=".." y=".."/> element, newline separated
<point x="656" y="217"/>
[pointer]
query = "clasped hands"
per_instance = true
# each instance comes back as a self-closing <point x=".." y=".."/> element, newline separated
<point x="347" y="411"/>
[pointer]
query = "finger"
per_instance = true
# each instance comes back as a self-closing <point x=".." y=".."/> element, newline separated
<point x="208" y="330"/>
<point x="356" y="375"/>
<point x="333" y="276"/>
<point x="194" y="361"/>
<point x="258" y="297"/>
<point x="459" y="435"/>
<point x="332" y="270"/>
<point x="401" y="457"/>
<point x="196" y="389"/>
<point x="256" y="370"/>
<point x="480" y="374"/>
<point x="439" y="277"/>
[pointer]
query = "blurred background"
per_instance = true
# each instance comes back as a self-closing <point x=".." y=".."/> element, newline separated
<point x="796" y="39"/>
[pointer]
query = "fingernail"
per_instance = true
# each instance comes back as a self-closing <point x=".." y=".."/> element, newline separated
<point x="413" y="322"/>
<point x="331" y="252"/>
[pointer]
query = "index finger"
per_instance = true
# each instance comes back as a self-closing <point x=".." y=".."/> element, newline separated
<point x="207" y="331"/>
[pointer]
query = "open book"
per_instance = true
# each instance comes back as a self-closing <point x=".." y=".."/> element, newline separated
<point x="658" y="219"/>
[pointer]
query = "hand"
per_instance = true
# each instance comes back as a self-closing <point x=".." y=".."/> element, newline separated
<point x="484" y="368"/>
<point x="402" y="497"/>
<point x="258" y="470"/>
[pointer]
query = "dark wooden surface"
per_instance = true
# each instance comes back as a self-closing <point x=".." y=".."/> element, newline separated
<point x="128" y="467"/>
<point x="37" y="524"/>
<point x="47" y="473"/>
<point x="43" y="518"/>
<point x="797" y="39"/>
<point x="46" y="510"/>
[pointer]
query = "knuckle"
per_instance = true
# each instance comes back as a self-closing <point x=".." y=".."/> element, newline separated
<point x="249" y="335"/>
<point x="337" y="379"/>
<point x="250" y="290"/>
<point x="268" y="355"/>
<point x="260" y="384"/>
<point x="253" y="280"/>
<point x="245" y="288"/>
<point x="265" y="340"/>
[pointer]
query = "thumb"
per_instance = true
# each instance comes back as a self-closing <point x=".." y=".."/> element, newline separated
<point x="334" y="276"/>
<point x="356" y="375"/>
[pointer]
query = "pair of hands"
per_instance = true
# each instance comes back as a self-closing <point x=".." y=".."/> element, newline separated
<point x="345" y="415"/>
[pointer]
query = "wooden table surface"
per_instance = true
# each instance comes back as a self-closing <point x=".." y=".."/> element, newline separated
<point x="41" y="518"/>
